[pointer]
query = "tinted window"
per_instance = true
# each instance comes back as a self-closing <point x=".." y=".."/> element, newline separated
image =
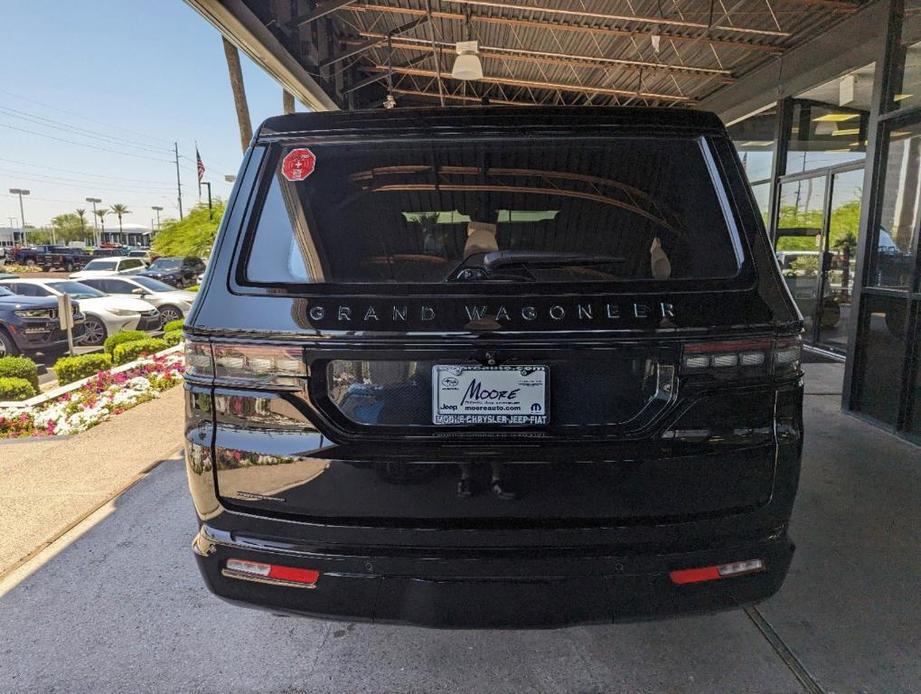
<point x="153" y="285"/>
<point x="78" y="290"/>
<point x="132" y="263"/>
<point x="100" y="265"/>
<point x="413" y="212"/>
<point x="117" y="287"/>
<point x="166" y="264"/>
<point x="24" y="289"/>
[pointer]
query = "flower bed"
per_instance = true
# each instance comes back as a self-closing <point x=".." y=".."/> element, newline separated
<point x="107" y="393"/>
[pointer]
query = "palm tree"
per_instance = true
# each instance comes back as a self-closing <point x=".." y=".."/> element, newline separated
<point x="81" y="214"/>
<point x="119" y="211"/>
<point x="101" y="213"/>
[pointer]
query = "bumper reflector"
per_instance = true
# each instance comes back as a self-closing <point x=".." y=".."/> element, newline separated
<point x="712" y="573"/>
<point x="270" y="573"/>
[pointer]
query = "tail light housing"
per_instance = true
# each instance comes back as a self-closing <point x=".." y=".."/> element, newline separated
<point x="251" y="365"/>
<point x="734" y="357"/>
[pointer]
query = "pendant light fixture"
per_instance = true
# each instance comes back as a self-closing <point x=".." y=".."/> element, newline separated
<point x="467" y="65"/>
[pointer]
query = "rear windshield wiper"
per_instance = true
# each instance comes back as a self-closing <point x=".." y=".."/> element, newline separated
<point x="515" y="265"/>
<point x="544" y="259"/>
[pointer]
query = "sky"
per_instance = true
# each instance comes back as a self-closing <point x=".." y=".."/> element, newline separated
<point x="93" y="94"/>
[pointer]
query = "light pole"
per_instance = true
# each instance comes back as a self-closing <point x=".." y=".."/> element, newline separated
<point x="158" y="210"/>
<point x="95" y="219"/>
<point x="210" y="210"/>
<point x="22" y="215"/>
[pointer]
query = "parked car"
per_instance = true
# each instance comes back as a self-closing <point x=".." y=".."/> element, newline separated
<point x="114" y="265"/>
<point x="172" y="303"/>
<point x="2" y="257"/>
<point x="176" y="271"/>
<point x="30" y="324"/>
<point x="523" y="367"/>
<point x="51" y="257"/>
<point x="105" y="315"/>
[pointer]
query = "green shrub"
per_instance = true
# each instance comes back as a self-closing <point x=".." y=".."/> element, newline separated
<point x="172" y="337"/>
<point x="193" y="288"/>
<point x="173" y="325"/>
<point x="19" y="367"/>
<point x="70" y="369"/>
<point x="120" y="338"/>
<point x="129" y="351"/>
<point x="16" y="389"/>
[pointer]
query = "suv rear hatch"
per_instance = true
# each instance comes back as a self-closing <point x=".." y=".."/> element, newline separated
<point x="501" y="306"/>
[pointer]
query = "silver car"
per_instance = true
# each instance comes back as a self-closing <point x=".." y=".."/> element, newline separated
<point x="172" y="303"/>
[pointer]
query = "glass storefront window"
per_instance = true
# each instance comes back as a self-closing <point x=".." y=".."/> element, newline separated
<point x="830" y="122"/>
<point x="762" y="193"/>
<point x="893" y="254"/>
<point x="882" y="350"/>
<point x="754" y="141"/>
<point x="799" y="241"/>
<point x="906" y="78"/>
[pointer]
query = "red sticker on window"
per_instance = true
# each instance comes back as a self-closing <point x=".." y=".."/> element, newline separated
<point x="298" y="164"/>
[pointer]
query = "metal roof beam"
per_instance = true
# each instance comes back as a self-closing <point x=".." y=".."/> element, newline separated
<point x="319" y="11"/>
<point x="582" y="89"/>
<point x="521" y="54"/>
<point x="583" y="15"/>
<point x="361" y="48"/>
<point x="738" y="44"/>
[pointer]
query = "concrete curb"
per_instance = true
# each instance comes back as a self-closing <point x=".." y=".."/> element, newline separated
<point x="42" y="398"/>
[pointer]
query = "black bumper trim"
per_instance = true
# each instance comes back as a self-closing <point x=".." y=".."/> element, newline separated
<point x="450" y="593"/>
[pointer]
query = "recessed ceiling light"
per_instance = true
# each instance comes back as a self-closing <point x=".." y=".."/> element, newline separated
<point x="835" y="117"/>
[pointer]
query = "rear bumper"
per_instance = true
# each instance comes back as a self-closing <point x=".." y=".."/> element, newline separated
<point x="511" y="590"/>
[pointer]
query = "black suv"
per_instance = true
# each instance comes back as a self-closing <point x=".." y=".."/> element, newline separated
<point x="30" y="324"/>
<point x="176" y="271"/>
<point x="493" y="367"/>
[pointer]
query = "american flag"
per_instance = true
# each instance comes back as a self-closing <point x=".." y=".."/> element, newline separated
<point x="201" y="166"/>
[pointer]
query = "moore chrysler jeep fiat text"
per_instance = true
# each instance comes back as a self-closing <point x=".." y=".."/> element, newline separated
<point x="493" y="367"/>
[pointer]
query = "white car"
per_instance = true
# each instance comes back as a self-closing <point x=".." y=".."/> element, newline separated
<point x="113" y="265"/>
<point x="171" y="302"/>
<point x="105" y="315"/>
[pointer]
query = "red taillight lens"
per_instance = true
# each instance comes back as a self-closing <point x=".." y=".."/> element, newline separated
<point x="242" y="568"/>
<point x="713" y="573"/>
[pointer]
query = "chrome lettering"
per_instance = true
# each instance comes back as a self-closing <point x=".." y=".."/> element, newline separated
<point x="427" y="313"/>
<point x="475" y="312"/>
<point x="612" y="311"/>
<point x="344" y="313"/>
<point x="528" y="313"/>
<point x="399" y="313"/>
<point x="585" y="311"/>
<point x="371" y="314"/>
<point x="557" y="312"/>
<point x="317" y="313"/>
<point x="502" y="314"/>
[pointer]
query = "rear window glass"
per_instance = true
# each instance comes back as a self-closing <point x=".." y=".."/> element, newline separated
<point x="571" y="210"/>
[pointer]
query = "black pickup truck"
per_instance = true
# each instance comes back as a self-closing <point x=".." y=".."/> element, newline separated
<point x="49" y="257"/>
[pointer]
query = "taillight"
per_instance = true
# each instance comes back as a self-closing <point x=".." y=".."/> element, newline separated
<point x="764" y="355"/>
<point x="271" y="573"/>
<point x="716" y="572"/>
<point x="249" y="364"/>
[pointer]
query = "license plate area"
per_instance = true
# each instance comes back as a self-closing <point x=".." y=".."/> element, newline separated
<point x="465" y="395"/>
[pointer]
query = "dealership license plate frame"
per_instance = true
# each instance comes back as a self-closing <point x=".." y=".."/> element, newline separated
<point x="531" y="377"/>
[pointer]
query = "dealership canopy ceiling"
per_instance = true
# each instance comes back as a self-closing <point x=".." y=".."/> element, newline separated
<point x="362" y="54"/>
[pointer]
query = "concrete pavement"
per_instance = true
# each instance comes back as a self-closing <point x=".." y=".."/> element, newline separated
<point x="48" y="485"/>
<point x="117" y="605"/>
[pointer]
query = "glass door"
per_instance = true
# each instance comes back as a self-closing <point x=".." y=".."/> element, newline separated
<point x="800" y="242"/>
<point x="816" y="247"/>
<point x="839" y="260"/>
